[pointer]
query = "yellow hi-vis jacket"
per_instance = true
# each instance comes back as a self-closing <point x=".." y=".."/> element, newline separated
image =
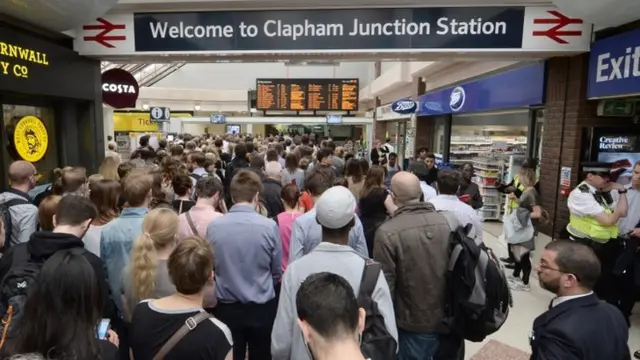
<point x="588" y="227"/>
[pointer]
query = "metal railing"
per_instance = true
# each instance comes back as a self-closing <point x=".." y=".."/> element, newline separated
<point x="146" y="74"/>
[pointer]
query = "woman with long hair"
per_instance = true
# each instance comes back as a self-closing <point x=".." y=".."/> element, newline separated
<point x="190" y="267"/>
<point x="109" y="169"/>
<point x="147" y="275"/>
<point x="105" y="195"/>
<point x="528" y="206"/>
<point x="355" y="177"/>
<point x="62" y="311"/>
<point x="159" y="192"/>
<point x="290" y="196"/>
<point x="296" y="174"/>
<point x="375" y="203"/>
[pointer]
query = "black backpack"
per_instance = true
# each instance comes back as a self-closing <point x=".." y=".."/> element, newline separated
<point x="13" y="294"/>
<point x="6" y="219"/>
<point x="377" y="343"/>
<point x="478" y="295"/>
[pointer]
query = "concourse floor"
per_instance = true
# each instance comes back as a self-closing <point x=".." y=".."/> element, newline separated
<point x="512" y="341"/>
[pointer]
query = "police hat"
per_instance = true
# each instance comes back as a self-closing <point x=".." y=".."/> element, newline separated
<point x="597" y="168"/>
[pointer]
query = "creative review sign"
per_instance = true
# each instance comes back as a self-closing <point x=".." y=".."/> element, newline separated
<point x="14" y="60"/>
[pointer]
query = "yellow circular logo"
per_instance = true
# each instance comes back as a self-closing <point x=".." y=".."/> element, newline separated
<point x="31" y="138"/>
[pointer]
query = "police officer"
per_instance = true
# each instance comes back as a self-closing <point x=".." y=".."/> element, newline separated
<point x="595" y="207"/>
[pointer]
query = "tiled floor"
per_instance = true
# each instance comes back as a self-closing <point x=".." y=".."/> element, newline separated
<point x="511" y="342"/>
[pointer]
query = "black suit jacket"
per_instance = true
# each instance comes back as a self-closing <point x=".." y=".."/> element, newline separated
<point x="580" y="329"/>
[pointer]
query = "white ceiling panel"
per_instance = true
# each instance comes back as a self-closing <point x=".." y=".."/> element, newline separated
<point x="190" y="5"/>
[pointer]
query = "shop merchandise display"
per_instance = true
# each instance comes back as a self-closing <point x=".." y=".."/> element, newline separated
<point x="491" y="170"/>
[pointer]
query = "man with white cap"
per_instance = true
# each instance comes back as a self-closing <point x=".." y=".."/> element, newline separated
<point x="335" y="212"/>
<point x="307" y="232"/>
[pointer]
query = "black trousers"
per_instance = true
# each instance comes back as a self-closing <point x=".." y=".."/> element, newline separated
<point x="250" y="326"/>
<point x="523" y="265"/>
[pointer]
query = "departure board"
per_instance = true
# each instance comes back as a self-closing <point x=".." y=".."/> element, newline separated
<point x="307" y="94"/>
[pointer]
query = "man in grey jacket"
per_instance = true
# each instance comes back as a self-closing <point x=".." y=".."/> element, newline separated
<point x="335" y="212"/>
<point x="24" y="215"/>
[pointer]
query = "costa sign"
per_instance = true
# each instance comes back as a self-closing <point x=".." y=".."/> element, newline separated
<point x="120" y="89"/>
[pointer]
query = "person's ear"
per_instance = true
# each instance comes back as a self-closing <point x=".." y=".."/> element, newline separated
<point x="306" y="331"/>
<point x="54" y="221"/>
<point x="361" y="317"/>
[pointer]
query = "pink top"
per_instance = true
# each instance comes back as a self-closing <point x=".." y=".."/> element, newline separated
<point x="285" y="223"/>
<point x="201" y="215"/>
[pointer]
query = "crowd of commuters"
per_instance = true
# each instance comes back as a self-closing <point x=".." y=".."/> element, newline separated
<point x="229" y="247"/>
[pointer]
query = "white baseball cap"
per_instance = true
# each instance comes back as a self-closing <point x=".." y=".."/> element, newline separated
<point x="335" y="208"/>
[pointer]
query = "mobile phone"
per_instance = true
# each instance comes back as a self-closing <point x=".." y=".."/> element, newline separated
<point x="103" y="327"/>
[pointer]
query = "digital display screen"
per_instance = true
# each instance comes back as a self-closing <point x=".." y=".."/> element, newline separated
<point x="218" y="119"/>
<point x="334" y="119"/>
<point x="233" y="129"/>
<point x="307" y="94"/>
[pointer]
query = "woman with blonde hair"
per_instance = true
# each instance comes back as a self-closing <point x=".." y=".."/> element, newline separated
<point x="146" y="276"/>
<point x="109" y="169"/>
<point x="105" y="195"/>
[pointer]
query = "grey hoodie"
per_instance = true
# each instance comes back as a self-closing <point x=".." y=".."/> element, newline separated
<point x="24" y="218"/>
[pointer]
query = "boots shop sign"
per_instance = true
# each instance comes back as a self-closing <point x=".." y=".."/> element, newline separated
<point x="119" y="89"/>
<point x="320" y="32"/>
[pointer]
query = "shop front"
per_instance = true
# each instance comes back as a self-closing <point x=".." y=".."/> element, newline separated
<point x="398" y="131"/>
<point x="497" y="113"/>
<point x="614" y="81"/>
<point x="51" y="104"/>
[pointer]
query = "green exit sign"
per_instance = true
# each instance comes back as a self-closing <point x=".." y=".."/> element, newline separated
<point x="617" y="108"/>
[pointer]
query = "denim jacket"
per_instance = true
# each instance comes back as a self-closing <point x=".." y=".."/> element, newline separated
<point x="116" y="242"/>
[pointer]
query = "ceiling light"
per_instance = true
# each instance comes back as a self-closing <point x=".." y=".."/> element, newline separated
<point x="145" y="107"/>
<point x="197" y="107"/>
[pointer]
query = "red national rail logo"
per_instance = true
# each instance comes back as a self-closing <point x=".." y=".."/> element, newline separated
<point x="556" y="33"/>
<point x="103" y="38"/>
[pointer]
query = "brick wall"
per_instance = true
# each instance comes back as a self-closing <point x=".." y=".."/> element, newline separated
<point x="567" y="114"/>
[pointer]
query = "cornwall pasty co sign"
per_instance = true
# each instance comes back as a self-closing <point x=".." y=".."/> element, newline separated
<point x="338" y="30"/>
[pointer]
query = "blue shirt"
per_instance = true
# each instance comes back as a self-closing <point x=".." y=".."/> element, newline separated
<point x="307" y="234"/>
<point x="248" y="255"/>
<point x="116" y="241"/>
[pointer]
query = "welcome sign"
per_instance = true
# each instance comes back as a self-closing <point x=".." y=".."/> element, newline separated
<point x="335" y="30"/>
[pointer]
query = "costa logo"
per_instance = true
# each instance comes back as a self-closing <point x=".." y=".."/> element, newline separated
<point x="404" y="106"/>
<point x="119" y="89"/>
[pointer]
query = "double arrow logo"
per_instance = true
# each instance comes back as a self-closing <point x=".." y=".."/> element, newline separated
<point x="103" y="38"/>
<point x="556" y="33"/>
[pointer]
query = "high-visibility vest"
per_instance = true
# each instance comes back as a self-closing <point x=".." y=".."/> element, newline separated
<point x="516" y="184"/>
<point x="588" y="227"/>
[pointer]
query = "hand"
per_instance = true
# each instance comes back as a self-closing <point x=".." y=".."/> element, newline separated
<point x="616" y="186"/>
<point x="512" y="196"/>
<point x="112" y="337"/>
<point x="635" y="233"/>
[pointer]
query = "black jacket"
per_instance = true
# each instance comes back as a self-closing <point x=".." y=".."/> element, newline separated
<point x="42" y="245"/>
<point x="580" y="329"/>
<point x="271" y="198"/>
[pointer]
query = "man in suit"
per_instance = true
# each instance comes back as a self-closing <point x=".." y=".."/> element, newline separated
<point x="578" y="326"/>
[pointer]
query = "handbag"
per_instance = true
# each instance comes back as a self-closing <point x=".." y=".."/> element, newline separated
<point x="514" y="232"/>
<point x="190" y="324"/>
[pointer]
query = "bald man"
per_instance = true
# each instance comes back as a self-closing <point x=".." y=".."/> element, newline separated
<point x="417" y="239"/>
<point x="19" y="214"/>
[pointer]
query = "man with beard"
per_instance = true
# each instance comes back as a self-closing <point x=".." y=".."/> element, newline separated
<point x="577" y="325"/>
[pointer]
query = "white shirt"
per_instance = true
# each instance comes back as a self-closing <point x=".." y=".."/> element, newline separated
<point x="463" y="212"/>
<point x="560" y="299"/>
<point x="584" y="204"/>
<point x="428" y="191"/>
<point x="114" y="155"/>
<point x="627" y="224"/>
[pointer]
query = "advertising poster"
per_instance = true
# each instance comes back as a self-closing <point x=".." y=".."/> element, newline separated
<point x="621" y="150"/>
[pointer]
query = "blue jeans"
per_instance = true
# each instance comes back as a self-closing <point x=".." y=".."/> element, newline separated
<point x="418" y="346"/>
